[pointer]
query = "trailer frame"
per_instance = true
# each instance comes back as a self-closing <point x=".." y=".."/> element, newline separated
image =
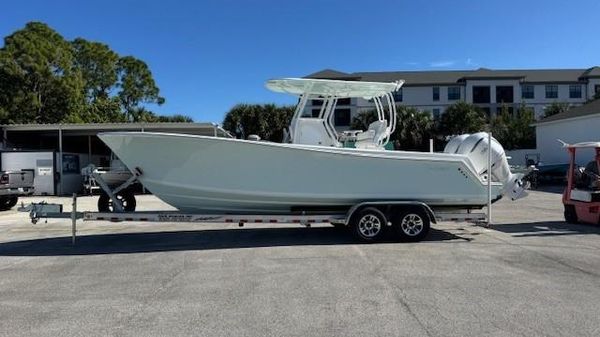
<point x="43" y="210"/>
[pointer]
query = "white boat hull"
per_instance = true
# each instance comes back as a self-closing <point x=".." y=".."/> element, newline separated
<point x="206" y="174"/>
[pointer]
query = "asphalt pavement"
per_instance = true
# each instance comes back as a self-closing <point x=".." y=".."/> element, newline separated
<point x="530" y="274"/>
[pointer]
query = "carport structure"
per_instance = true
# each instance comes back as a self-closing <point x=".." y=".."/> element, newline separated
<point x="82" y="138"/>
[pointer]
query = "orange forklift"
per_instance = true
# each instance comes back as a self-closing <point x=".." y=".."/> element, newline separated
<point x="581" y="197"/>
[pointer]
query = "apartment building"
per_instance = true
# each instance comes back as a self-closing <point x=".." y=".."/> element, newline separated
<point x="434" y="91"/>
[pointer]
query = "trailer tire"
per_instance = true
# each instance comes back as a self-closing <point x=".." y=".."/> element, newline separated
<point x="339" y="226"/>
<point x="369" y="224"/>
<point x="105" y="202"/>
<point x="8" y="202"/>
<point x="411" y="225"/>
<point x="570" y="214"/>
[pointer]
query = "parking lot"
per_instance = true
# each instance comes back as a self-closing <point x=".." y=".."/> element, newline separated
<point x="530" y="274"/>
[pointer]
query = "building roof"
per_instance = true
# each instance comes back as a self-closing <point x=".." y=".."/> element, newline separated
<point x="588" y="109"/>
<point x="459" y="76"/>
<point x="592" y="72"/>
<point x="329" y="74"/>
<point x="190" y="128"/>
<point x="410" y="77"/>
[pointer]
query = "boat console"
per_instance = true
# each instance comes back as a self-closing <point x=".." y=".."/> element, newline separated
<point x="320" y="129"/>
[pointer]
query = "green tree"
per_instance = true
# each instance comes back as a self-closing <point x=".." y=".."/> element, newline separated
<point x="46" y="79"/>
<point x="38" y="82"/>
<point x="500" y="126"/>
<point x="556" y="108"/>
<point x="101" y="110"/>
<point x="137" y="86"/>
<point x="514" y="131"/>
<point x="148" y="116"/>
<point x="459" y="118"/>
<point x="265" y="120"/>
<point x="177" y="118"/>
<point x="523" y="130"/>
<point x="278" y="119"/>
<point x="98" y="66"/>
<point x="414" y="128"/>
<point x="362" y="120"/>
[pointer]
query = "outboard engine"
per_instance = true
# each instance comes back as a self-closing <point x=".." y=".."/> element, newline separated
<point x="476" y="147"/>
<point x="454" y="143"/>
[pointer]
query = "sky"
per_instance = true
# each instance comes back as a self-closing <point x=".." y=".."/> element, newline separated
<point x="207" y="56"/>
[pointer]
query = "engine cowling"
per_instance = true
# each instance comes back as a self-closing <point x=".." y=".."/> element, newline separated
<point x="475" y="147"/>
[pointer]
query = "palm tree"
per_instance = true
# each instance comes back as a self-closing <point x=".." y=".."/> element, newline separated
<point x="264" y="120"/>
<point x="413" y="129"/>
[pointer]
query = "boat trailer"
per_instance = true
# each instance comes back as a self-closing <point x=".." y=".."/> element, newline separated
<point x="411" y="218"/>
<point x="43" y="210"/>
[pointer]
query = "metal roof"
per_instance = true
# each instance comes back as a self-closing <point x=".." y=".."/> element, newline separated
<point x="192" y="128"/>
<point x="588" y="109"/>
<point x="458" y="76"/>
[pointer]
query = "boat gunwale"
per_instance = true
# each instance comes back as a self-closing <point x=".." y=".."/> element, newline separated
<point x="313" y="148"/>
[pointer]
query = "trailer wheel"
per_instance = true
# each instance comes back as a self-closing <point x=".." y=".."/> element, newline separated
<point x="8" y="202"/>
<point x="369" y="224"/>
<point x="570" y="214"/>
<point x="412" y="225"/>
<point x="105" y="204"/>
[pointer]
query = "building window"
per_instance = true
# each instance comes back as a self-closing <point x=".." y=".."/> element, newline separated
<point x="552" y="91"/>
<point x="342" y="117"/>
<point x="481" y="94"/>
<point x="343" y="101"/>
<point x="453" y="93"/>
<point x="398" y="95"/>
<point x="527" y="91"/>
<point x="575" y="91"/>
<point x="70" y="163"/>
<point x="436" y="93"/>
<point x="436" y="113"/>
<point x="504" y="94"/>
<point x="597" y="88"/>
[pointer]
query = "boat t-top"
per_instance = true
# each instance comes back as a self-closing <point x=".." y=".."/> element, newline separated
<point x="320" y="130"/>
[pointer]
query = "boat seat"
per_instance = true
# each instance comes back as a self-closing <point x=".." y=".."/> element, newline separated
<point x="374" y="135"/>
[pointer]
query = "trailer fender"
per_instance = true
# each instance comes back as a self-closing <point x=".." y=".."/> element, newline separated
<point x="392" y="204"/>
